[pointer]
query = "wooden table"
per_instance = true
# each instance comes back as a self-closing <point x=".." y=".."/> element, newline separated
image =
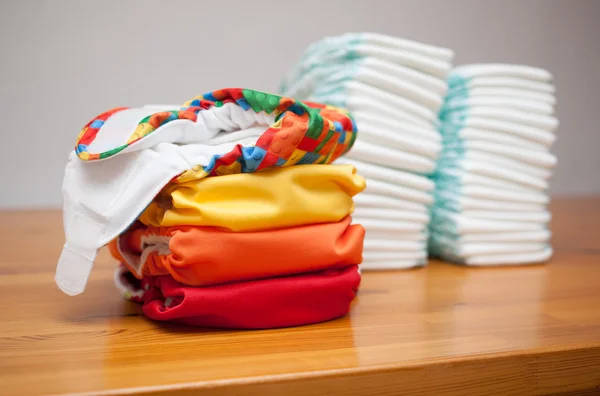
<point x="441" y="329"/>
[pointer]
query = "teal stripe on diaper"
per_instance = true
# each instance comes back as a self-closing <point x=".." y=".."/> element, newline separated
<point x="322" y="49"/>
<point x="456" y="84"/>
<point x="334" y="92"/>
<point x="349" y="55"/>
<point x="444" y="239"/>
<point x="447" y="185"/>
<point x="456" y="80"/>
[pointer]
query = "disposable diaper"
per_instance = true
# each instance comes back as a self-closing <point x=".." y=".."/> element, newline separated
<point x="500" y="70"/>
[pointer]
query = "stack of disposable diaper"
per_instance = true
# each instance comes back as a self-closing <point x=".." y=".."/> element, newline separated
<point x="394" y="89"/>
<point x="492" y="177"/>
<point x="224" y="213"/>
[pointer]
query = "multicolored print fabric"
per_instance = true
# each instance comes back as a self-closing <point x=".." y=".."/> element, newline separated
<point x="303" y="133"/>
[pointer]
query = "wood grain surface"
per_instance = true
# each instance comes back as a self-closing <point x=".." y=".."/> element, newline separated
<point x="443" y="329"/>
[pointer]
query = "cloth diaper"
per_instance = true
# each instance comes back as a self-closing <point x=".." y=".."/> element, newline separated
<point x="203" y="256"/>
<point x="260" y="304"/>
<point x="277" y="198"/>
<point x="124" y="157"/>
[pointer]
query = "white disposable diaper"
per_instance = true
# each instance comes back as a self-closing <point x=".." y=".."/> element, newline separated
<point x="389" y="225"/>
<point x="382" y="260"/>
<point x="491" y="193"/>
<point x="542" y="159"/>
<point x="328" y="53"/>
<point x="387" y="126"/>
<point x="490" y="198"/>
<point x="396" y="235"/>
<point x="377" y="108"/>
<point x="471" y="249"/>
<point x="494" y="164"/>
<point x="382" y="245"/>
<point x="516" y="119"/>
<point x="501" y="70"/>
<point x="540" y="235"/>
<point x="377" y="201"/>
<point x="446" y="222"/>
<point x="456" y="177"/>
<point x="378" y="187"/>
<point x="453" y="126"/>
<point x="335" y="83"/>
<point x="541" y="217"/>
<point x="385" y="156"/>
<point x="394" y="176"/>
<point x="458" y="103"/>
<point x="458" y="203"/>
<point x="494" y="137"/>
<point x="485" y="92"/>
<point x="354" y="69"/>
<point x="386" y="133"/>
<point x="356" y="89"/>
<point x="380" y="40"/>
<point x="391" y="214"/>
<point x="510" y="259"/>
<point x="500" y="82"/>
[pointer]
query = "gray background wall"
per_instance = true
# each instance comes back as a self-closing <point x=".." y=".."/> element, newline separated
<point x="63" y="62"/>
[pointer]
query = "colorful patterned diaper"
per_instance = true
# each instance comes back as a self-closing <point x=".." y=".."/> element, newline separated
<point x="300" y="132"/>
<point x="123" y="158"/>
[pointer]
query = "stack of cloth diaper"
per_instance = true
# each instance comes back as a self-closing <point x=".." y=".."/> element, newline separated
<point x="492" y="178"/>
<point x="394" y="89"/>
<point x="224" y="213"/>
